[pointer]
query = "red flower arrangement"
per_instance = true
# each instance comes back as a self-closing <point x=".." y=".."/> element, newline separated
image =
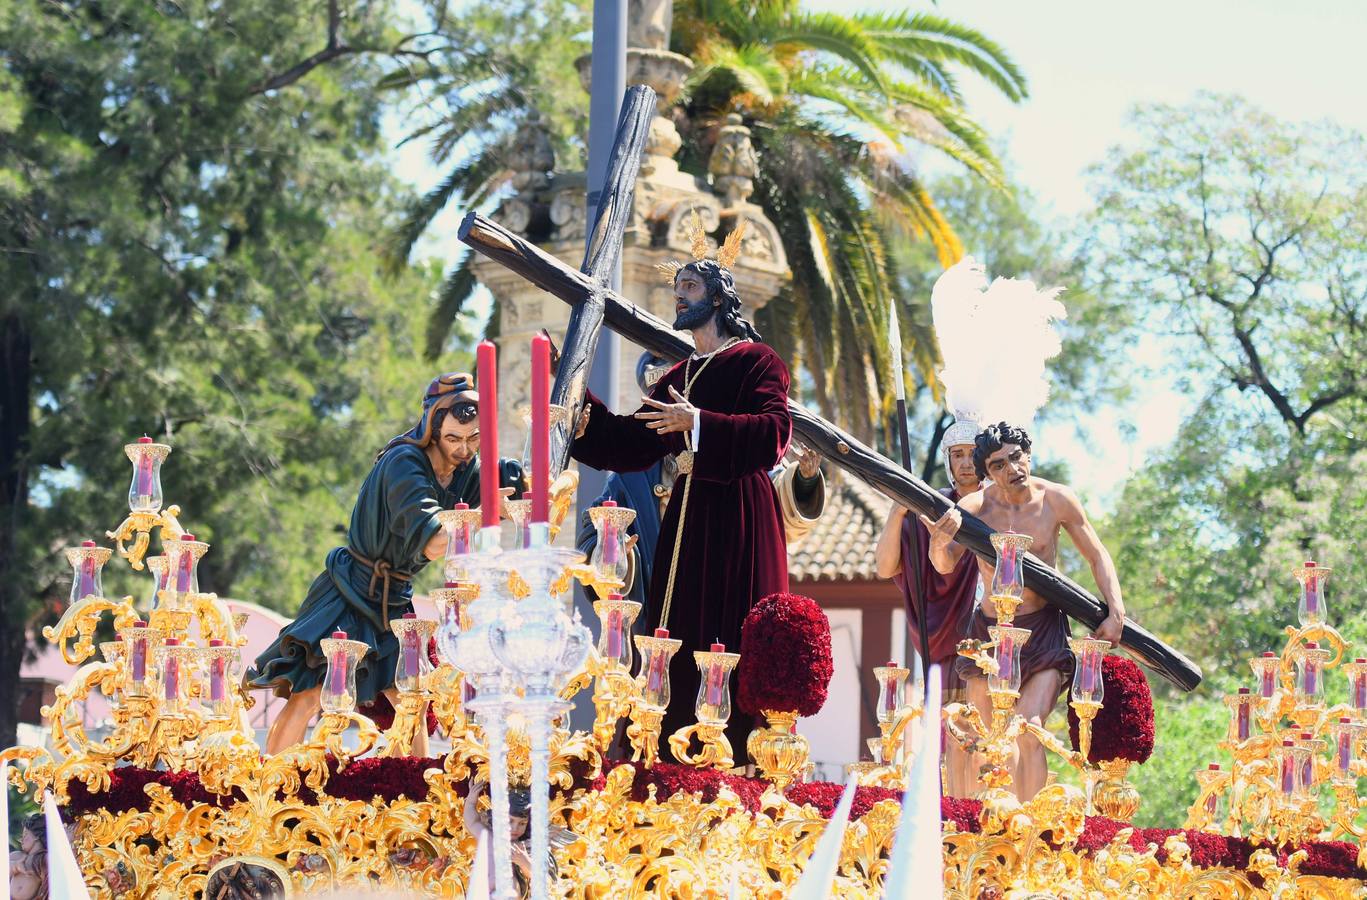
<point x="785" y="656"/>
<point x="1123" y="728"/>
<point x="825" y="796"/>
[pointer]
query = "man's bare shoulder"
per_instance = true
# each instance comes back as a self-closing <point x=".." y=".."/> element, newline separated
<point x="1061" y="498"/>
<point x="973" y="503"/>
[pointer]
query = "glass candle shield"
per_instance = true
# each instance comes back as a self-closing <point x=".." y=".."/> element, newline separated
<point x="339" y="682"/>
<point x="1008" y="578"/>
<point x="1356" y="672"/>
<point x="1346" y="733"/>
<point x="459" y="524"/>
<point x="609" y="558"/>
<point x="1087" y="686"/>
<point x="141" y="643"/>
<point x="156" y="567"/>
<point x="892" y="680"/>
<point x="1286" y="769"/>
<point x="1310" y="606"/>
<point x="656" y="654"/>
<point x="176" y="671"/>
<point x="1006" y="652"/>
<point x="182" y="568"/>
<point x="616" y="615"/>
<point x="1265" y="670"/>
<point x="1310" y="673"/>
<point x="218" y="665"/>
<point x="144" y="491"/>
<point x="1240" y="715"/>
<point x="413" y="671"/>
<point x="713" y="704"/>
<point x="87" y="570"/>
<point x="452" y="603"/>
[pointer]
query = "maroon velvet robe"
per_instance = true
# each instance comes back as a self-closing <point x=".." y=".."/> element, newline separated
<point x="949" y="598"/>
<point x="733" y="551"/>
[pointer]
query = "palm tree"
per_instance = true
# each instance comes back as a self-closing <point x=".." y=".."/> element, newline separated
<point x="835" y="104"/>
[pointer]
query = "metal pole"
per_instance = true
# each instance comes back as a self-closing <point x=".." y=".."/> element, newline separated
<point x="607" y="87"/>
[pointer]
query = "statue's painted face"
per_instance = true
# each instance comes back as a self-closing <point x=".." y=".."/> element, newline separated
<point x="1009" y="467"/>
<point x="691" y="306"/>
<point x="458" y="441"/>
<point x="961" y="467"/>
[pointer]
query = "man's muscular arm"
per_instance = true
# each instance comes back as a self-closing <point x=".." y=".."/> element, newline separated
<point x="1074" y="520"/>
<point x="887" y="556"/>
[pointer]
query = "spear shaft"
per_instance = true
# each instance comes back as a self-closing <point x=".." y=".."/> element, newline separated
<point x="915" y="588"/>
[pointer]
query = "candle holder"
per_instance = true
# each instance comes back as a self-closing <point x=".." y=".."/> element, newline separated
<point x="460" y="525"/>
<point x="141" y="643"/>
<point x="1346" y="735"/>
<point x="182" y="570"/>
<point x="176" y="673"/>
<point x="1008" y="575"/>
<point x="156" y="567"/>
<point x="339" y="682"/>
<point x="1310" y="660"/>
<point x="614" y="689"/>
<point x="414" y="678"/>
<point x="647" y="712"/>
<point x="1204" y="814"/>
<point x="610" y="561"/>
<point x="1240" y="717"/>
<point x="519" y="512"/>
<point x="219" y="664"/>
<point x="1356" y="672"/>
<point x="87" y="571"/>
<point x="894" y="713"/>
<point x="144" y="492"/>
<point x="1310" y="608"/>
<point x="712" y="708"/>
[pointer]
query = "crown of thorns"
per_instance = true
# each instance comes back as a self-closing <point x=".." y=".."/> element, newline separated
<point x="697" y="236"/>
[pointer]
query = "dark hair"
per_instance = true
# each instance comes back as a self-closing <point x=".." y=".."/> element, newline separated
<point x="464" y="411"/>
<point x="993" y="438"/>
<point x="721" y="285"/>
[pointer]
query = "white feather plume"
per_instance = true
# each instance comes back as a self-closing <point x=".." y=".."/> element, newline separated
<point x="995" y="340"/>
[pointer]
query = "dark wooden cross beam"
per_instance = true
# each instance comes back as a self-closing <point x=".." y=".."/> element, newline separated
<point x="640" y="327"/>
<point x="600" y="260"/>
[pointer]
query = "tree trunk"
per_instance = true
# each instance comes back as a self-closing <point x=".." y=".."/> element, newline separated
<point x="15" y="405"/>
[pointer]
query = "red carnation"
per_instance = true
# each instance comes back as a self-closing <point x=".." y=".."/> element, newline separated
<point x="1123" y="728"/>
<point x="785" y="656"/>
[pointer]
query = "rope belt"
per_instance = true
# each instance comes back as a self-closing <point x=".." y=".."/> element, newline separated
<point x="380" y="571"/>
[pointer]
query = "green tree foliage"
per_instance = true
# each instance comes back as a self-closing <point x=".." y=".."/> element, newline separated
<point x="1245" y="238"/>
<point x="185" y="242"/>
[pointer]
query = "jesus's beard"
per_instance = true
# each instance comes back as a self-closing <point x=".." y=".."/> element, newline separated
<point x="695" y="316"/>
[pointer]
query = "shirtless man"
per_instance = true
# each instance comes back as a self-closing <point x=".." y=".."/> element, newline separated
<point x="1014" y="500"/>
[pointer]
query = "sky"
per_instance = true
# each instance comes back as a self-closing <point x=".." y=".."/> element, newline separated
<point x="1088" y="64"/>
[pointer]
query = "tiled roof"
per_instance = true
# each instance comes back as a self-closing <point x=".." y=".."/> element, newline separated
<point x="840" y="545"/>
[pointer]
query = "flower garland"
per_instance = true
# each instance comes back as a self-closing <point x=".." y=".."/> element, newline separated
<point x="1123" y="728"/>
<point x="785" y="656"/>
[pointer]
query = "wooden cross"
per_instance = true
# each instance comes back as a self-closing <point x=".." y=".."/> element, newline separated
<point x="594" y="305"/>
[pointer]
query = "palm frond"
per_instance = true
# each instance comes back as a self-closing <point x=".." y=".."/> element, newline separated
<point x="836" y="35"/>
<point x="455" y="290"/>
<point x="753" y="68"/>
<point x="938" y="38"/>
<point x="462" y="181"/>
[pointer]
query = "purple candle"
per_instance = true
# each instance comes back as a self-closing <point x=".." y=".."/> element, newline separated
<point x="185" y="566"/>
<point x="1360" y="687"/>
<point x="716" y="678"/>
<point x="1344" y="746"/>
<point x="410" y="649"/>
<point x="172" y="680"/>
<point x="1288" y="769"/>
<point x="218" y="673"/>
<point x="1267" y="684"/>
<point x="1308" y="764"/>
<point x="614" y="626"/>
<point x="610" y="538"/>
<point x="88" y="569"/>
<point x="1213" y="801"/>
<point x="138" y="656"/>
<point x="1312" y="589"/>
<point x="1244" y="725"/>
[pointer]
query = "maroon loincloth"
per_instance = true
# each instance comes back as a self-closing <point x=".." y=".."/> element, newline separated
<point x="1047" y="647"/>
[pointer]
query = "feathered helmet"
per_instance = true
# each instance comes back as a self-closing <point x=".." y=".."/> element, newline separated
<point x="995" y="340"/>
<point x="445" y="392"/>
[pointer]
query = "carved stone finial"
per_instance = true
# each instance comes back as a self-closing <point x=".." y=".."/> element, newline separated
<point x="648" y="23"/>
<point x="734" y="164"/>
<point x="532" y="157"/>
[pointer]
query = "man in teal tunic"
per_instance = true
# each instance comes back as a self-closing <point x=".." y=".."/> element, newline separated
<point x="394" y="534"/>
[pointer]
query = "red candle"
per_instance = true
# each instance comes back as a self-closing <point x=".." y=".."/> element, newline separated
<point x="1268" y="685"/>
<point x="139" y="657"/>
<point x="657" y="664"/>
<point x="1344" y="748"/>
<point x="716" y="677"/>
<point x="339" y="667"/>
<point x="1360" y="687"/>
<point x="486" y="356"/>
<point x="541" y="428"/>
<point x="144" y="488"/>
<point x="610" y="538"/>
<point x="1288" y="769"/>
<point x="1244" y="722"/>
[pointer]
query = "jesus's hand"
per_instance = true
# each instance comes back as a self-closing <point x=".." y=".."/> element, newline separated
<point x="666" y="418"/>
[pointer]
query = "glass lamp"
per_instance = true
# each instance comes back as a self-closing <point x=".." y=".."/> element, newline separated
<point x="1310" y="608"/>
<point x="892" y="680"/>
<point x="656" y="653"/>
<point x="609" y="558"/>
<point x="219" y="664"/>
<point x="413" y="672"/>
<point x="713" y="704"/>
<point x="87" y="570"/>
<point x="617" y="615"/>
<point x="1087" y="684"/>
<point x="141" y="643"/>
<point x="339" y="683"/>
<point x="144" y="491"/>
